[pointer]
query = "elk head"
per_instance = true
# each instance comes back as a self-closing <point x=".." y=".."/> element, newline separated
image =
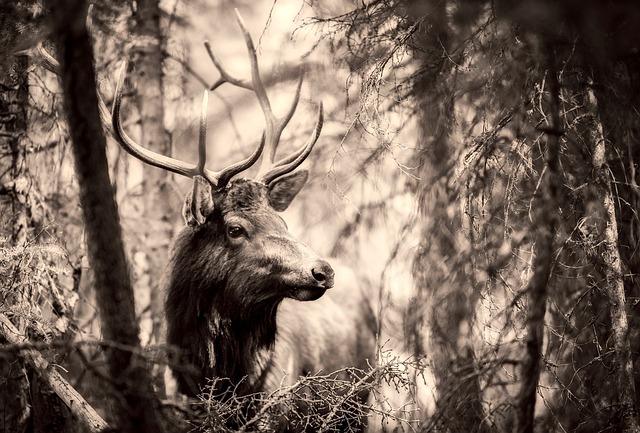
<point x="235" y="261"/>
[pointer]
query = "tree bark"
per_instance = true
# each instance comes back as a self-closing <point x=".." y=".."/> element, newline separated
<point x="14" y="401"/>
<point x="610" y="256"/>
<point x="136" y="409"/>
<point x="147" y="54"/>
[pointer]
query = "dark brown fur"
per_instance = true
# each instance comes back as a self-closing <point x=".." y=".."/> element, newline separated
<point x="223" y="298"/>
<point x="227" y="308"/>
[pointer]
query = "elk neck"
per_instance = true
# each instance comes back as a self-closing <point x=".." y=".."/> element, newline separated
<point x="215" y="314"/>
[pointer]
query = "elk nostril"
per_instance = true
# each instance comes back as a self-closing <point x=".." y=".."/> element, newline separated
<point x="323" y="273"/>
<point x="318" y="275"/>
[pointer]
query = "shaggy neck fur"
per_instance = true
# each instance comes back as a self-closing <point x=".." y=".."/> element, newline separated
<point x="217" y="334"/>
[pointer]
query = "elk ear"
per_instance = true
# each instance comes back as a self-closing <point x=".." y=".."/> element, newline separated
<point x="283" y="189"/>
<point x="199" y="203"/>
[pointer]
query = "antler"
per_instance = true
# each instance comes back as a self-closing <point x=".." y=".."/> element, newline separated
<point x="269" y="170"/>
<point x="217" y="178"/>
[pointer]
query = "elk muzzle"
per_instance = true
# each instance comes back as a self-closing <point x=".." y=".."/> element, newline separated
<point x="323" y="273"/>
<point x="316" y="277"/>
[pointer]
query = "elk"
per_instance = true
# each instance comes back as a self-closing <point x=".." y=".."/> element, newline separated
<point x="236" y="275"/>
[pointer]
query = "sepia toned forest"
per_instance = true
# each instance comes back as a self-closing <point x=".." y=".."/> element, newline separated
<point x="476" y="170"/>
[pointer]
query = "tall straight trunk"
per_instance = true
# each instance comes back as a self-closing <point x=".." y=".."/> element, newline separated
<point x="136" y="408"/>
<point x="545" y="215"/>
<point x="610" y="256"/>
<point x="159" y="216"/>
<point x="445" y="288"/>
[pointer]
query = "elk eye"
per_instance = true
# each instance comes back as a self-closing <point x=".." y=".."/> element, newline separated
<point x="235" y="232"/>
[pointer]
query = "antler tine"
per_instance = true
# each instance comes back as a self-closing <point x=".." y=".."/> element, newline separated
<point x="217" y="178"/>
<point x="225" y="77"/>
<point x="291" y="162"/>
<point x="222" y="177"/>
<point x="202" y="138"/>
<point x="274" y="126"/>
<point x="226" y="174"/>
<point x="279" y="126"/>
<point x="139" y="152"/>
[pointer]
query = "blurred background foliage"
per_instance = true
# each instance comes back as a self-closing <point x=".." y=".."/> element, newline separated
<point x="427" y="181"/>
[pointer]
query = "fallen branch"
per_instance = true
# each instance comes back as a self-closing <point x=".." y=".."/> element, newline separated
<point x="74" y="401"/>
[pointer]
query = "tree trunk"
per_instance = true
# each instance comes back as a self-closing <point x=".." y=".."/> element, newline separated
<point x="445" y="287"/>
<point x="136" y="409"/>
<point x="158" y="214"/>
<point x="544" y="222"/>
<point x="14" y="401"/>
<point x="610" y="256"/>
<point x="29" y="399"/>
